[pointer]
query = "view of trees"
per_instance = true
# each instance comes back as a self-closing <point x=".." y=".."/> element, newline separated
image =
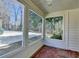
<point x="54" y="26"/>
<point x="13" y="18"/>
<point x="35" y="22"/>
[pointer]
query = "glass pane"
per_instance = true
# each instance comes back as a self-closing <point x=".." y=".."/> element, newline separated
<point x="10" y="26"/>
<point x="35" y="26"/>
<point x="54" y="27"/>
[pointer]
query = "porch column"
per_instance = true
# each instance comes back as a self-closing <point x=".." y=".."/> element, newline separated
<point x="25" y="31"/>
<point x="43" y="28"/>
<point x="25" y="23"/>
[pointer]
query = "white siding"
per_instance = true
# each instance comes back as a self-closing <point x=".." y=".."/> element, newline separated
<point x="74" y="29"/>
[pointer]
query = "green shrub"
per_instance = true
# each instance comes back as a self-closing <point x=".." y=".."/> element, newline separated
<point x="56" y="36"/>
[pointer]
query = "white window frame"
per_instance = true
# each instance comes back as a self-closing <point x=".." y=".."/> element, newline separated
<point x="42" y="37"/>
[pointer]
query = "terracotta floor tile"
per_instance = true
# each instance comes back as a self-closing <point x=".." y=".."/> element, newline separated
<point x="51" y="52"/>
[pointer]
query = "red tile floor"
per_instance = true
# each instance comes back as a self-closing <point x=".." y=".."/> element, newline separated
<point x="51" y="52"/>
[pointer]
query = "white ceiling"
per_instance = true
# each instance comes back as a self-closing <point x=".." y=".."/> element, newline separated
<point x="56" y="5"/>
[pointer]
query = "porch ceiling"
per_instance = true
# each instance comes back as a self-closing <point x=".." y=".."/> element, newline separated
<point x="49" y="6"/>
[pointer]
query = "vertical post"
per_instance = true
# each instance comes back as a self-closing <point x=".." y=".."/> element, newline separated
<point x="43" y="28"/>
<point x="25" y="28"/>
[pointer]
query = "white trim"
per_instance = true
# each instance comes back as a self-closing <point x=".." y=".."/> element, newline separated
<point x="43" y="28"/>
<point x="23" y="24"/>
<point x="16" y="1"/>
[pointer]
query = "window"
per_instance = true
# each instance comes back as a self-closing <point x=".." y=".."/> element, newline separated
<point x="11" y="23"/>
<point x="54" y="27"/>
<point x="35" y="26"/>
